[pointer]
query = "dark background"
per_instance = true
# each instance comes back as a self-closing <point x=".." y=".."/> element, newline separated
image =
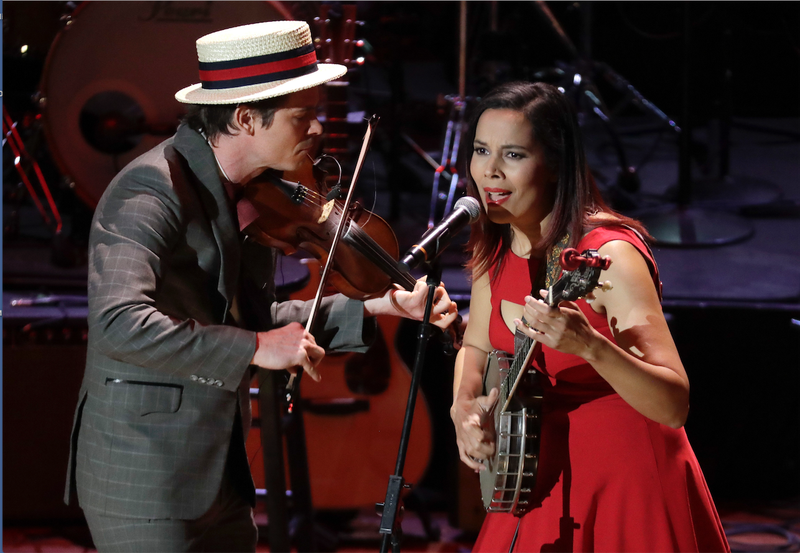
<point x="741" y="352"/>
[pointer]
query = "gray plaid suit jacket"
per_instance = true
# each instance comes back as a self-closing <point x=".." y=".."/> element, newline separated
<point x="166" y="368"/>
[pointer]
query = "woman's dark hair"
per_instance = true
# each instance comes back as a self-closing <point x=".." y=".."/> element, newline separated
<point x="555" y="128"/>
<point x="216" y="119"/>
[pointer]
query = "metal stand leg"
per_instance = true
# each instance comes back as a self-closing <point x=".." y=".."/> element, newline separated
<point x="685" y="225"/>
<point x="274" y="470"/>
<point x="449" y="159"/>
<point x="728" y="191"/>
<point x="391" y="509"/>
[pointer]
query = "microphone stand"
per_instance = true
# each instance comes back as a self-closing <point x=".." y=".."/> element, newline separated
<point x="391" y="509"/>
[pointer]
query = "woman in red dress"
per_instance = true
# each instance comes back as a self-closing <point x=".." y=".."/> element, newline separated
<point x="616" y="471"/>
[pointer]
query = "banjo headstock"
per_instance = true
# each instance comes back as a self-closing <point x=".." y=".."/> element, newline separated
<point x="581" y="275"/>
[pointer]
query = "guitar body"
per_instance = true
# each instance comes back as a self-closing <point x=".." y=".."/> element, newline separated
<point x="511" y="472"/>
<point x="353" y="420"/>
<point x="352" y="454"/>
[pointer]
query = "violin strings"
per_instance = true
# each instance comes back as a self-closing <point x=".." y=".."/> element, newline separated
<point x="318" y="200"/>
<point x="372" y="250"/>
<point x="365" y="243"/>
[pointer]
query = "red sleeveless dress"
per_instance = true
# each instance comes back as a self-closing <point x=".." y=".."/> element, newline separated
<point x="609" y="478"/>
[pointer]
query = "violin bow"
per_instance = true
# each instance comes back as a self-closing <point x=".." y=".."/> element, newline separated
<point x="294" y="380"/>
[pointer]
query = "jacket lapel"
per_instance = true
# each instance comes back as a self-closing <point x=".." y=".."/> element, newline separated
<point x="193" y="147"/>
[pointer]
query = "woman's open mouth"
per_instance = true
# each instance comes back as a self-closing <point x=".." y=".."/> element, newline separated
<point x="496" y="196"/>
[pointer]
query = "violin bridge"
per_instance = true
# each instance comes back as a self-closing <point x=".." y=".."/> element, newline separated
<point x="326" y="212"/>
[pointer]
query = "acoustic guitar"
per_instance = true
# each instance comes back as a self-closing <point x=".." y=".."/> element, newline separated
<point x="353" y="419"/>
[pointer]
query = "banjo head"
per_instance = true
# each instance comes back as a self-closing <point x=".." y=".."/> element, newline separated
<point x="511" y="472"/>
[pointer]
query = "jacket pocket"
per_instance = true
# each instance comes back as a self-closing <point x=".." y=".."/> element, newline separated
<point x="144" y="398"/>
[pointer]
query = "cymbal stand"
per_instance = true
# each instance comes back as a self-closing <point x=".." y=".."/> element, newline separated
<point x="12" y="138"/>
<point x="449" y="159"/>
<point x="391" y="510"/>
<point x="455" y="125"/>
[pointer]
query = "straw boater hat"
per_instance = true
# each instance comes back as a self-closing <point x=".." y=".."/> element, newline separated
<point x="254" y="62"/>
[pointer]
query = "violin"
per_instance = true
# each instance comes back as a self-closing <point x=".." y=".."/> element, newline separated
<point x="365" y="250"/>
<point x="294" y="216"/>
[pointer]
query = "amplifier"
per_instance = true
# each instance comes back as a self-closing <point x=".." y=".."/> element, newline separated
<point x="44" y="353"/>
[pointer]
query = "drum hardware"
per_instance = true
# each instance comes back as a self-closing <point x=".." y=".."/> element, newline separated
<point x="456" y="123"/>
<point x="25" y="163"/>
<point x="455" y="127"/>
<point x="64" y="252"/>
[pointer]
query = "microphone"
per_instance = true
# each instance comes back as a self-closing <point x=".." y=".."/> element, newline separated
<point x="436" y="239"/>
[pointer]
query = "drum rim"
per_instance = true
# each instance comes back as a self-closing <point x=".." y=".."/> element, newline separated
<point x="83" y="192"/>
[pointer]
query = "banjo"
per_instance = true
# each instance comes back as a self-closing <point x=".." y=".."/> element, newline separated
<point x="511" y="472"/>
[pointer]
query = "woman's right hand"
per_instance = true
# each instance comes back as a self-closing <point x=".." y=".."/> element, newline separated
<point x="475" y="433"/>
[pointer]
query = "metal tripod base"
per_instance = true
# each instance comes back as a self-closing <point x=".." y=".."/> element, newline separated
<point x="732" y="193"/>
<point x="693" y="227"/>
<point x="735" y="192"/>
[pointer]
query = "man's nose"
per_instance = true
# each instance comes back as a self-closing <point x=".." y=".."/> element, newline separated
<point x="316" y="128"/>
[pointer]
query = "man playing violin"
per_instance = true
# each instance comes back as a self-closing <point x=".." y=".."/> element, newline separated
<point x="182" y="306"/>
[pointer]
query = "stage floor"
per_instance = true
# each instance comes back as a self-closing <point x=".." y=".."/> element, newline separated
<point x="773" y="526"/>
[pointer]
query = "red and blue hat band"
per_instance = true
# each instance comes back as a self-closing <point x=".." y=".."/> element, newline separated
<point x="260" y="69"/>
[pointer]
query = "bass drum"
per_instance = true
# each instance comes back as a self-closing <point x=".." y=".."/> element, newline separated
<point x="108" y="88"/>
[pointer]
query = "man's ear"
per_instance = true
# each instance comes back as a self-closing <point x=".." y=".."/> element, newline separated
<point x="244" y="118"/>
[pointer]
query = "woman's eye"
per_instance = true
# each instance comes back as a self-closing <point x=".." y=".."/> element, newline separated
<point x="515" y="155"/>
<point x="480" y="151"/>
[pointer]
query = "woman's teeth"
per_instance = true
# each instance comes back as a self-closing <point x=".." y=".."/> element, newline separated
<point x="497" y="196"/>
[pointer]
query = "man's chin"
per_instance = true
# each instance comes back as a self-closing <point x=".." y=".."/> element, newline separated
<point x="303" y="161"/>
<point x="295" y="170"/>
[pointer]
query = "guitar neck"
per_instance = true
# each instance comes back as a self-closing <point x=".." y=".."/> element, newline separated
<point x="336" y="30"/>
<point x="336" y="135"/>
<point x="522" y="359"/>
<point x="523" y="355"/>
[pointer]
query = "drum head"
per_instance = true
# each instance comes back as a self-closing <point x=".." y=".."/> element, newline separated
<point x="109" y="82"/>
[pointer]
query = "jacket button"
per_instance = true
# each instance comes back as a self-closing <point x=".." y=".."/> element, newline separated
<point x="201" y="380"/>
<point x="218" y="383"/>
<point x="194" y="377"/>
